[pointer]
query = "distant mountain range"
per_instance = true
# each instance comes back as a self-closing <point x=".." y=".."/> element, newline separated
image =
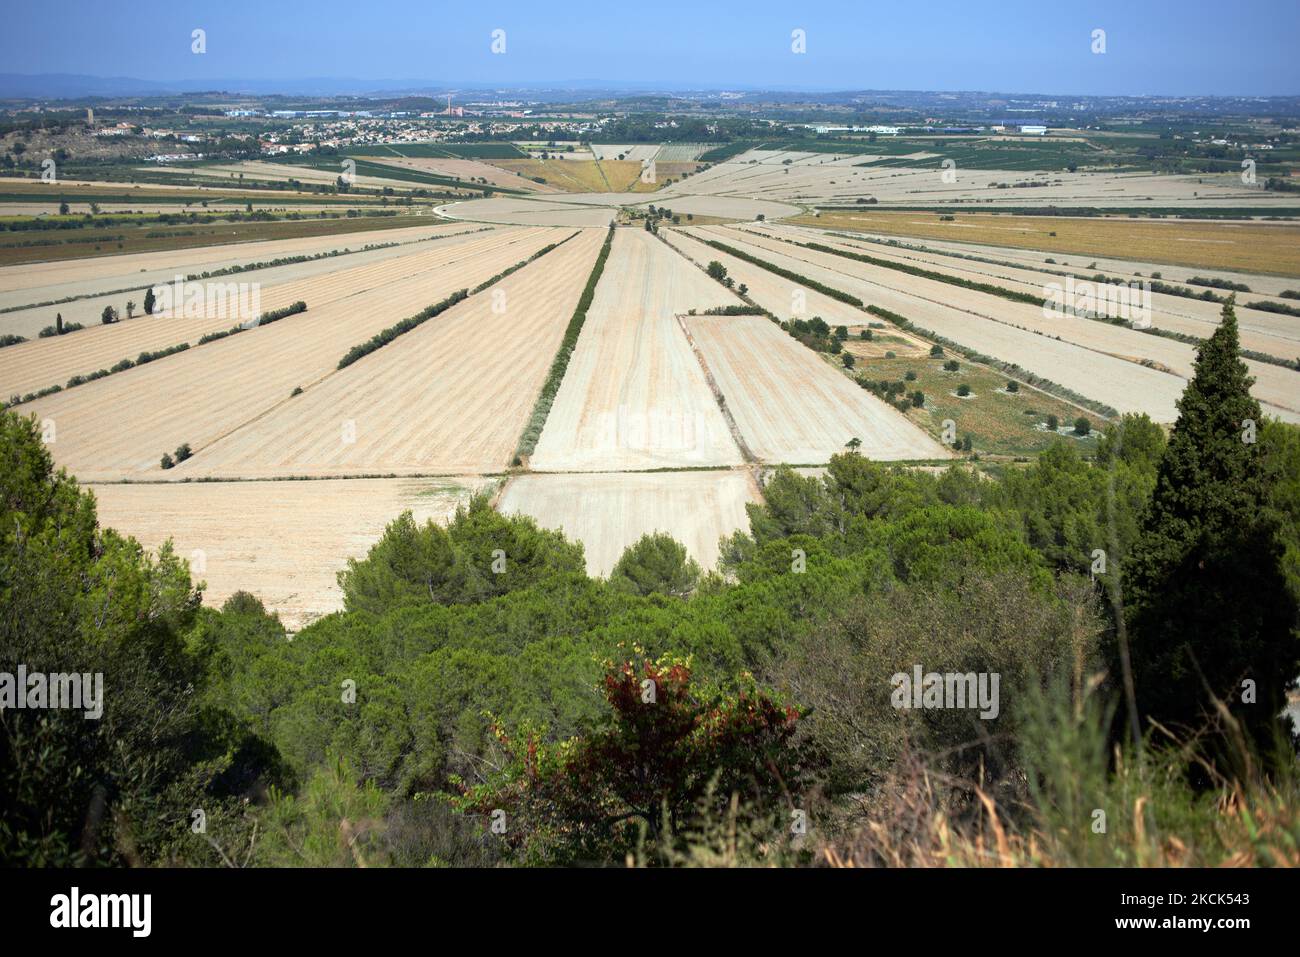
<point x="71" y="86"/>
<point x="63" y="86"/>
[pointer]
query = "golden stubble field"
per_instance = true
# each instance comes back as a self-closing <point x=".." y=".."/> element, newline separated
<point x="38" y="363"/>
<point x="451" y="396"/>
<point x="607" y="512"/>
<point x="1275" y="385"/>
<point x="1251" y="246"/>
<point x="792" y="406"/>
<point x="119" y="426"/>
<point x="634" y="395"/>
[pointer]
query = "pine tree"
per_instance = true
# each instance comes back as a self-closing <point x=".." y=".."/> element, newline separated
<point x="1207" y="604"/>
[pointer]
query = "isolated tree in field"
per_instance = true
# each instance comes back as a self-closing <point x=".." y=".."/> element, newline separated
<point x="1082" y="426"/>
<point x="108" y="316"/>
<point x="1207" y="602"/>
<point x="58" y="323"/>
<point x="963" y="390"/>
<point x="656" y="564"/>
<point x="847" y="359"/>
<point x="130" y="308"/>
<point x="936" y="352"/>
<point x="1013" y="386"/>
<point x="716" y="270"/>
<point x="853" y="444"/>
<point x="63" y="208"/>
<point x="1053" y="423"/>
<point x="149" y="301"/>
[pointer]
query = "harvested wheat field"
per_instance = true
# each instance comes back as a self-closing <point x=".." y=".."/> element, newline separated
<point x="472" y="171"/>
<point x="1267" y="332"/>
<point x="790" y="405"/>
<point x="88" y="309"/>
<point x="283" y="541"/>
<point x="43" y="282"/>
<point x="1252" y="247"/>
<point x="527" y="212"/>
<point x="781" y="297"/>
<point x="50" y="361"/>
<point x="451" y="396"/>
<point x="1122" y="384"/>
<point x="119" y="426"/>
<point x="609" y="512"/>
<point x="634" y="395"/>
<point x="1276" y="387"/>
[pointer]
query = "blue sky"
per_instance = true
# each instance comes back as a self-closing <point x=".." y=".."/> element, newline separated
<point x="1152" y="46"/>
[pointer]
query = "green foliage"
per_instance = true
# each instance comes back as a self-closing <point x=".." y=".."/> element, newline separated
<point x="480" y="555"/>
<point x="1208" y="603"/>
<point x="666" y="752"/>
<point x="656" y="564"/>
<point x="80" y="599"/>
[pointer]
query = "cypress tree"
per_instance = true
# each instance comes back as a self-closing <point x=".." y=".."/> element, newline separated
<point x="1207" y="603"/>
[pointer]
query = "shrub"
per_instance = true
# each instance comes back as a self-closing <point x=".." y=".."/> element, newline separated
<point x="963" y="390"/>
<point x="936" y="352"/>
<point x="1053" y="422"/>
<point x="1082" y="426"/>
